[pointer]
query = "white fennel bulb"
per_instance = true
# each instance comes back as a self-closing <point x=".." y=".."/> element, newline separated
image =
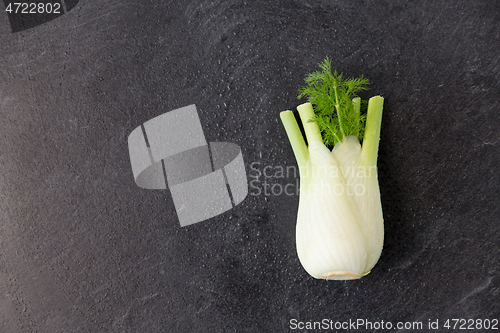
<point x="330" y="241"/>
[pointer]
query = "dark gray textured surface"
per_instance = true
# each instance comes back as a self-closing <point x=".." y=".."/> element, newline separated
<point x="83" y="249"/>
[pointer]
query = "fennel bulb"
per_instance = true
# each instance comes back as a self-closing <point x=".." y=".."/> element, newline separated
<point x="340" y="228"/>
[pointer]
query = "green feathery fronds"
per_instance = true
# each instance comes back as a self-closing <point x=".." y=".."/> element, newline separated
<point x="339" y="112"/>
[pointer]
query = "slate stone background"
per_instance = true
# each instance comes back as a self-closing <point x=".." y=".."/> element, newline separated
<point x="83" y="249"/>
